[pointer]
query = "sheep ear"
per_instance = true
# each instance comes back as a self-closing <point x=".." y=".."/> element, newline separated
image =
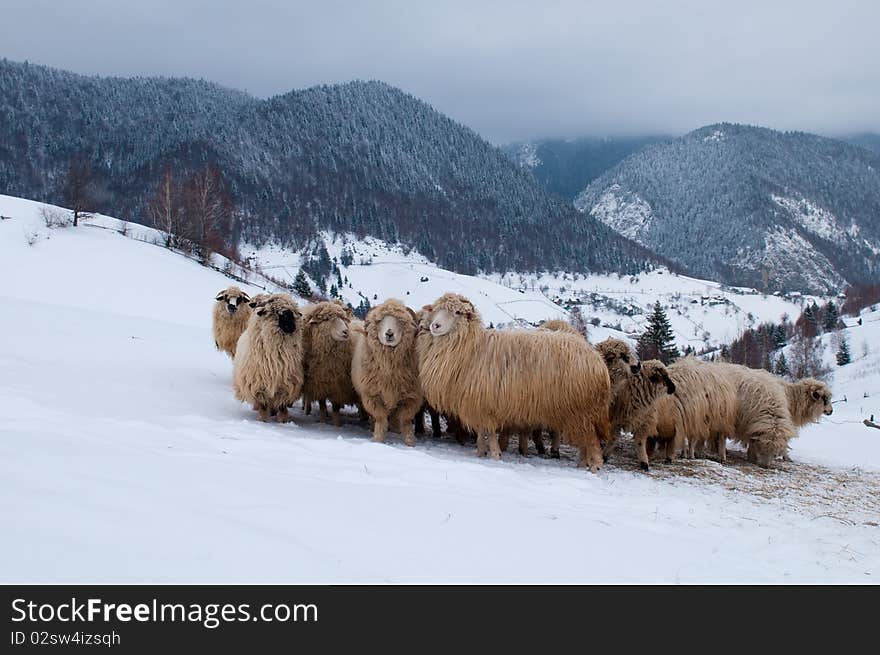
<point x="261" y="311"/>
<point x="221" y="296"/>
<point x="413" y="314"/>
<point x="245" y="297"/>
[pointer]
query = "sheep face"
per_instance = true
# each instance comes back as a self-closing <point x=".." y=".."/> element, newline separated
<point x="449" y="312"/>
<point x="259" y="299"/>
<point x="819" y="397"/>
<point x="281" y="310"/>
<point x="233" y="298"/>
<point x="391" y="324"/>
<point x="333" y="318"/>
<point x="619" y="359"/>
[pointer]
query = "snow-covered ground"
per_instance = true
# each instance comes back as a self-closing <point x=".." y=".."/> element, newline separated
<point x="125" y="457"/>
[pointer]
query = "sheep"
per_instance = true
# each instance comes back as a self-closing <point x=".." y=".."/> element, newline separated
<point x="763" y="420"/>
<point x="620" y="360"/>
<point x="327" y="352"/>
<point x="231" y="314"/>
<point x="267" y="370"/>
<point x="559" y="325"/>
<point x="635" y="408"/>
<point x="491" y="379"/>
<point x="384" y="369"/>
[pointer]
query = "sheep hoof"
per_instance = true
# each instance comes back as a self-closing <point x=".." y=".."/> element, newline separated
<point x="409" y="440"/>
<point x="669" y="460"/>
<point x="644" y="466"/>
<point x="554" y="454"/>
<point x="378" y="439"/>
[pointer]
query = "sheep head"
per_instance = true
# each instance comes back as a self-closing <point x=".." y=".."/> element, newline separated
<point x="233" y="297"/>
<point x="282" y="310"/>
<point x="655" y="373"/>
<point x="619" y="358"/>
<point x="258" y="300"/>
<point x="391" y="324"/>
<point x="817" y="396"/>
<point x="334" y="317"/>
<point x="451" y="311"/>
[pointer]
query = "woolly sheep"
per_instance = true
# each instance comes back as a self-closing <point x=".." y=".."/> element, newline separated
<point x="384" y="369"/>
<point x="491" y="379"/>
<point x="231" y="314"/>
<point x="327" y="352"/>
<point x="267" y="370"/>
<point x="763" y="420"/>
<point x="808" y="400"/>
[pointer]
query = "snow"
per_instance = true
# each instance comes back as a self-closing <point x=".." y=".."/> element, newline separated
<point x="814" y="218"/>
<point x="124" y="457"/>
<point x="625" y="213"/>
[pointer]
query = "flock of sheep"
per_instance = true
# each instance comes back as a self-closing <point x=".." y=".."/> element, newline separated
<point x="490" y="384"/>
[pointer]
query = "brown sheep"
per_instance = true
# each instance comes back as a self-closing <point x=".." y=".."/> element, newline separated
<point x="621" y="361"/>
<point x="327" y="352"/>
<point x="384" y="369"/>
<point x="494" y="378"/>
<point x="231" y="314"/>
<point x="267" y="370"/>
<point x="559" y="325"/>
<point x="634" y="409"/>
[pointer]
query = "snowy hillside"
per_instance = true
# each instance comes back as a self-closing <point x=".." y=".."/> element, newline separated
<point x="125" y="457"/>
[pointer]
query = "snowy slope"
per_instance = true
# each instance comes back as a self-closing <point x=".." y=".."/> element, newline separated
<point x="125" y="457"/>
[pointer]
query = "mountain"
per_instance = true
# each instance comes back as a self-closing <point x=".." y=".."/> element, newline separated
<point x="750" y="206"/>
<point x="565" y="167"/>
<point x="867" y="140"/>
<point x="360" y="157"/>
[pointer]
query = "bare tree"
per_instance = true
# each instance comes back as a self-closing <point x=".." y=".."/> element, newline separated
<point x="165" y="209"/>
<point x="807" y="357"/>
<point x="79" y="190"/>
<point x="209" y="211"/>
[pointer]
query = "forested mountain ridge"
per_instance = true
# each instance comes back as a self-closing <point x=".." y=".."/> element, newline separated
<point x="566" y="166"/>
<point x="363" y="157"/>
<point x="750" y="206"/>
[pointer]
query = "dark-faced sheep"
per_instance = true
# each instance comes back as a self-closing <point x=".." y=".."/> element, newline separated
<point x="495" y="378"/>
<point x="327" y="353"/>
<point x="231" y="314"/>
<point x="384" y="369"/>
<point x="267" y="370"/>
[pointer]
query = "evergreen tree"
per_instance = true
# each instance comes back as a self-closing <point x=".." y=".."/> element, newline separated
<point x="780" y="337"/>
<point x="334" y="292"/>
<point x="301" y="285"/>
<point x="658" y="341"/>
<point x="781" y="365"/>
<point x="832" y="317"/>
<point x="843" y="356"/>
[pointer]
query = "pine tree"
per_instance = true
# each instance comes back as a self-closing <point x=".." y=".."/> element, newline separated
<point x="334" y="292"/>
<point x="781" y="367"/>
<point x="832" y="317"/>
<point x="301" y="285"/>
<point x="658" y="341"/>
<point x="843" y="355"/>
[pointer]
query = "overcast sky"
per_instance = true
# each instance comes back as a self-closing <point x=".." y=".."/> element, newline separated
<point x="510" y="70"/>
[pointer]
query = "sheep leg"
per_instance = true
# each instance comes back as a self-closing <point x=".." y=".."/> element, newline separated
<point x="380" y="428"/>
<point x="554" y="445"/>
<point x="420" y="420"/>
<point x="721" y="447"/>
<point x="608" y="449"/>
<point x="282" y="416"/>
<point x="670" y="450"/>
<point x="482" y="445"/>
<point x="538" y="439"/>
<point x="307" y="405"/>
<point x="322" y="406"/>
<point x="524" y="443"/>
<point x="504" y="440"/>
<point x="337" y="418"/>
<point x="407" y="413"/>
<point x="494" y="447"/>
<point x="642" y="451"/>
<point x="435" y="421"/>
